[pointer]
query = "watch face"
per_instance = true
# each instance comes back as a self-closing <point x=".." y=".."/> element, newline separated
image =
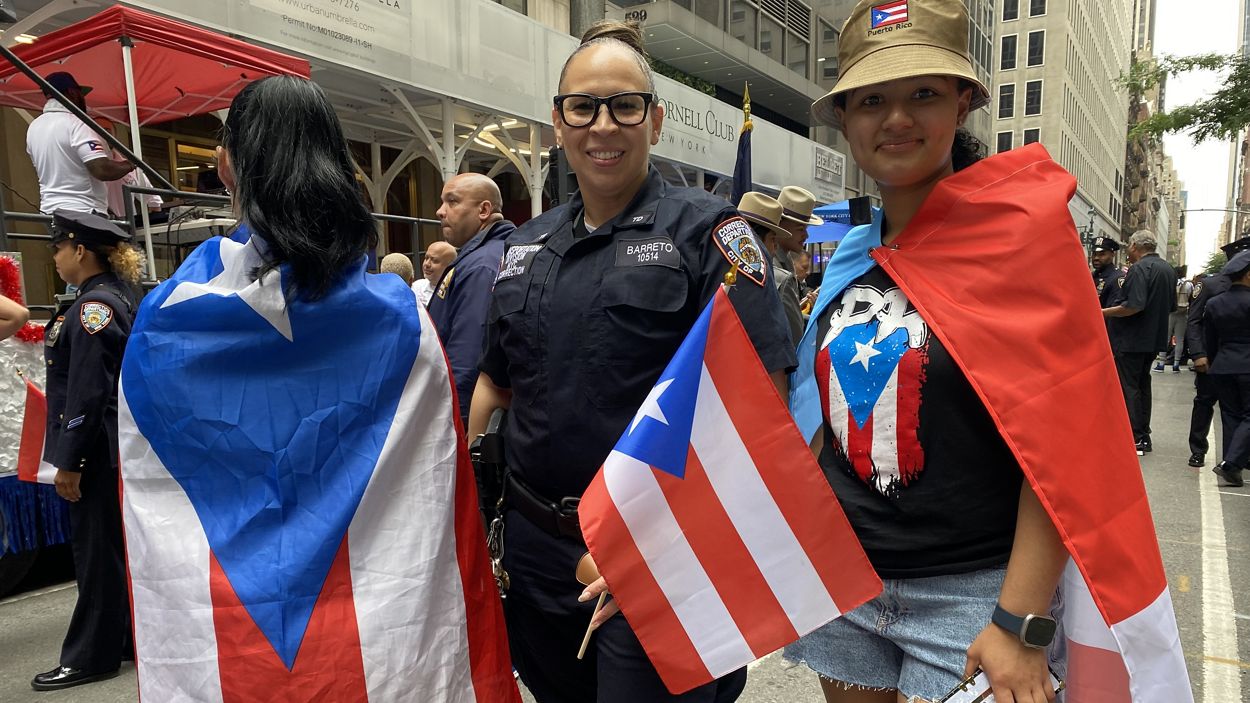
<point x="1039" y="631"/>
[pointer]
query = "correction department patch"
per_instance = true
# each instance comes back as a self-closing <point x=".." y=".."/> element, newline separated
<point x="95" y="317"/>
<point x="737" y="242"/>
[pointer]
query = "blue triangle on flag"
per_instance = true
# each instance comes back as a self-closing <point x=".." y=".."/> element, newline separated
<point x="659" y="433"/>
<point x="864" y="366"/>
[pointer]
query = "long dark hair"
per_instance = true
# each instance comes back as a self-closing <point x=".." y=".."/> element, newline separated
<point x="294" y="180"/>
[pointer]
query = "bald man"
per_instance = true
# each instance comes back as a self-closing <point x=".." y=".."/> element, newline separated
<point x="471" y="220"/>
<point x="436" y="260"/>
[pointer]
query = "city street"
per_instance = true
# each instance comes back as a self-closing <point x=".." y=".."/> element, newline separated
<point x="1192" y="516"/>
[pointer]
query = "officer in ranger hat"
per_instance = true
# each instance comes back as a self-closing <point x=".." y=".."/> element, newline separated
<point x="1107" y="276"/>
<point x="83" y="348"/>
<point x="765" y="215"/>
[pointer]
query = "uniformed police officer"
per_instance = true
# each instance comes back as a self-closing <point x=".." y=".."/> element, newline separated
<point x="1205" y="392"/>
<point x="590" y="303"/>
<point x="84" y="342"/>
<point x="1108" y="278"/>
<point x="1228" y="346"/>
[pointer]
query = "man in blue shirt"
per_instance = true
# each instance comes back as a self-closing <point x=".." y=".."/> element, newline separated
<point x="471" y="222"/>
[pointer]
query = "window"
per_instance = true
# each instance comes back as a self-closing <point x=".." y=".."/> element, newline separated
<point x="516" y="5"/>
<point x="1037" y="7"/>
<point x="797" y="54"/>
<point x="743" y="18"/>
<point x="1008" y="60"/>
<point x="1011" y="9"/>
<point x="1033" y="98"/>
<point x="1004" y="142"/>
<point x="1037" y="48"/>
<point x="772" y="37"/>
<point x="828" y="32"/>
<point x="1006" y="100"/>
<point x="830" y="71"/>
<point x="1032" y="135"/>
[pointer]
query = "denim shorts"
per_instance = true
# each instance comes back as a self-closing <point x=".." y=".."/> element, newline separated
<point x="914" y="637"/>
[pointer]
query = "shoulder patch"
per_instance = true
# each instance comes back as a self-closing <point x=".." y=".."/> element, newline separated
<point x="95" y="316"/>
<point x="445" y="283"/>
<point x="737" y="242"/>
<point x="516" y="259"/>
<point x="1197" y="291"/>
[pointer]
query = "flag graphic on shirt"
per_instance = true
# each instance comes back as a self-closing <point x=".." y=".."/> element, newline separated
<point x="30" y="464"/>
<point x="273" y="452"/>
<point x="711" y="520"/>
<point x="873" y="362"/>
<point x="889" y="13"/>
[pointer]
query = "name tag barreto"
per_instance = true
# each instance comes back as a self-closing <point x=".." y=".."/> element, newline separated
<point x="656" y="251"/>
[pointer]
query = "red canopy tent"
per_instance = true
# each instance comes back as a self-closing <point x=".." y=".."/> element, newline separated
<point x="179" y="69"/>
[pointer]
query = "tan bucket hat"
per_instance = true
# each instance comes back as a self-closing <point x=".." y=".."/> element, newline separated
<point x="797" y="205"/>
<point x="885" y="40"/>
<point x="762" y="210"/>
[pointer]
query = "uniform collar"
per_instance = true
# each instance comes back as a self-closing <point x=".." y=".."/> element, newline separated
<point x="54" y="105"/>
<point x="499" y="230"/>
<point x="100" y="279"/>
<point x="640" y="212"/>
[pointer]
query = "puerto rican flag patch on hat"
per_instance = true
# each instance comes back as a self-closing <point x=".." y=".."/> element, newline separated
<point x="889" y="13"/>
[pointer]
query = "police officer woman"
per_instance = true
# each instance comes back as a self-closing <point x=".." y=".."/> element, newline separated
<point x="84" y="342"/>
<point x="591" y="301"/>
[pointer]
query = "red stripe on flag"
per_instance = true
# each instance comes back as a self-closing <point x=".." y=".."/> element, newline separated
<point x="907" y="413"/>
<point x="649" y="613"/>
<point x="824" y="367"/>
<point x="328" y="666"/>
<point x="1096" y="675"/>
<point x="489" y="660"/>
<point x="850" y="579"/>
<point x="859" y="445"/>
<point x="34" y="424"/>
<point x="726" y="559"/>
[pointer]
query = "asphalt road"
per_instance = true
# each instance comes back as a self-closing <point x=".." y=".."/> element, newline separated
<point x="1192" y="519"/>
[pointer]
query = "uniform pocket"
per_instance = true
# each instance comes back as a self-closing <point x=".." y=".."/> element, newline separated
<point x="631" y="333"/>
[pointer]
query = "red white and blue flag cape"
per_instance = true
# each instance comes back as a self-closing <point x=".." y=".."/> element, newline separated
<point x="30" y="464"/>
<point x="993" y="264"/>
<point x="301" y="518"/>
<point x="711" y="521"/>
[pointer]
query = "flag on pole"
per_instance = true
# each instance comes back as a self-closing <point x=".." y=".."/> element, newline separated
<point x="711" y="521"/>
<point x="1056" y="403"/>
<point x="742" y="165"/>
<point x="30" y="463"/>
<point x="301" y="517"/>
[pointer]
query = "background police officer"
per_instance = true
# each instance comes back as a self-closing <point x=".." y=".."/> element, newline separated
<point x="1108" y="278"/>
<point x="1205" y="392"/>
<point x="591" y="301"/>
<point x="84" y="342"/>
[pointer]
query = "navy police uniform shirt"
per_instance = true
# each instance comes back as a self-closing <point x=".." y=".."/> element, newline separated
<point x="460" y="301"/>
<point x="582" y="323"/>
<point x="83" y="346"/>
<point x="1109" y="281"/>
<point x="1195" y="324"/>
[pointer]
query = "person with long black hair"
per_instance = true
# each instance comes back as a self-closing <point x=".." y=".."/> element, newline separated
<point x="291" y="415"/>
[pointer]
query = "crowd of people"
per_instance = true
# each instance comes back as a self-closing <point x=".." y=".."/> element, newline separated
<point x="567" y="320"/>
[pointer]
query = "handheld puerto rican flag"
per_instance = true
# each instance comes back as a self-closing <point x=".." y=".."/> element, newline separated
<point x="301" y="517"/>
<point x="889" y="13"/>
<point x="30" y="464"/>
<point x="711" y="521"/>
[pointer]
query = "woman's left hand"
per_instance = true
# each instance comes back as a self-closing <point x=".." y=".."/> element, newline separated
<point x="609" y="608"/>
<point x="1018" y="674"/>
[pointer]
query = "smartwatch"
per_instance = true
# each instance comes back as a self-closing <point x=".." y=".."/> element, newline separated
<point x="1036" y="631"/>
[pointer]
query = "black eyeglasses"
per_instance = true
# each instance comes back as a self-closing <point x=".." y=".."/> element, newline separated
<point x="626" y="109"/>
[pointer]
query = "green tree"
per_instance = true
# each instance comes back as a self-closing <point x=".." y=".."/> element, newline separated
<point x="1222" y="116"/>
<point x="1215" y="262"/>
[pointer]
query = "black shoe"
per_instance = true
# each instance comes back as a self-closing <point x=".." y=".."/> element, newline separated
<point x="1143" y="446"/>
<point x="1230" y="476"/>
<point x="66" y="677"/>
<point x="1197" y="460"/>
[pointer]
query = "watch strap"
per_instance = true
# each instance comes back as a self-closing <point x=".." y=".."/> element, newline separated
<point x="1008" y="621"/>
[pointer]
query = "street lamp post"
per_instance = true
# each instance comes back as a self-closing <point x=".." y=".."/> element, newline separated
<point x="1087" y="234"/>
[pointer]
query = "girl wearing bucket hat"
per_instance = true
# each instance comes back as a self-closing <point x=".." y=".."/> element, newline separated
<point x="909" y="387"/>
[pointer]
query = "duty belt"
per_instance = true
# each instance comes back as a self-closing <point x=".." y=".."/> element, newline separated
<point x="556" y="519"/>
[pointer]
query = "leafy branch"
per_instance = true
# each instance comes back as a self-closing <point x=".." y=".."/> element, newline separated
<point x="1222" y="116"/>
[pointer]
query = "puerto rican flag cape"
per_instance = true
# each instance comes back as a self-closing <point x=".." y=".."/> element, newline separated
<point x="300" y="513"/>
<point x="994" y="266"/>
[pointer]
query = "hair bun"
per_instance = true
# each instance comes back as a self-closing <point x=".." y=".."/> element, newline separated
<point x="627" y="33"/>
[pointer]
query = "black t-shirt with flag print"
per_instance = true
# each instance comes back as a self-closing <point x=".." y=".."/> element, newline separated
<point x="921" y="471"/>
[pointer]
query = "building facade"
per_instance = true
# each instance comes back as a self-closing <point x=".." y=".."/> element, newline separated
<point x="1055" y="83"/>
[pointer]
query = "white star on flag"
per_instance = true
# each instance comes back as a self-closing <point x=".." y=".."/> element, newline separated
<point x="863" y="352"/>
<point x="263" y="295"/>
<point x="651" y="406"/>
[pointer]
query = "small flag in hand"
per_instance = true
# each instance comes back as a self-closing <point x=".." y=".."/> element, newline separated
<point x="30" y="464"/>
<point x="711" y="520"/>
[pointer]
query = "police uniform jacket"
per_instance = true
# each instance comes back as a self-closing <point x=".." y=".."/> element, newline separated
<point x="582" y="323"/>
<point x="460" y="301"/>
<point x="1228" y="331"/>
<point x="1195" y="323"/>
<point x="1109" y="280"/>
<point x="83" y="346"/>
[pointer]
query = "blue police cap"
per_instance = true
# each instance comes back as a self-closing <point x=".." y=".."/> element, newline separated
<point x="1237" y="265"/>
<point x="1235" y="246"/>
<point x="1106" y="244"/>
<point x="86" y="229"/>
